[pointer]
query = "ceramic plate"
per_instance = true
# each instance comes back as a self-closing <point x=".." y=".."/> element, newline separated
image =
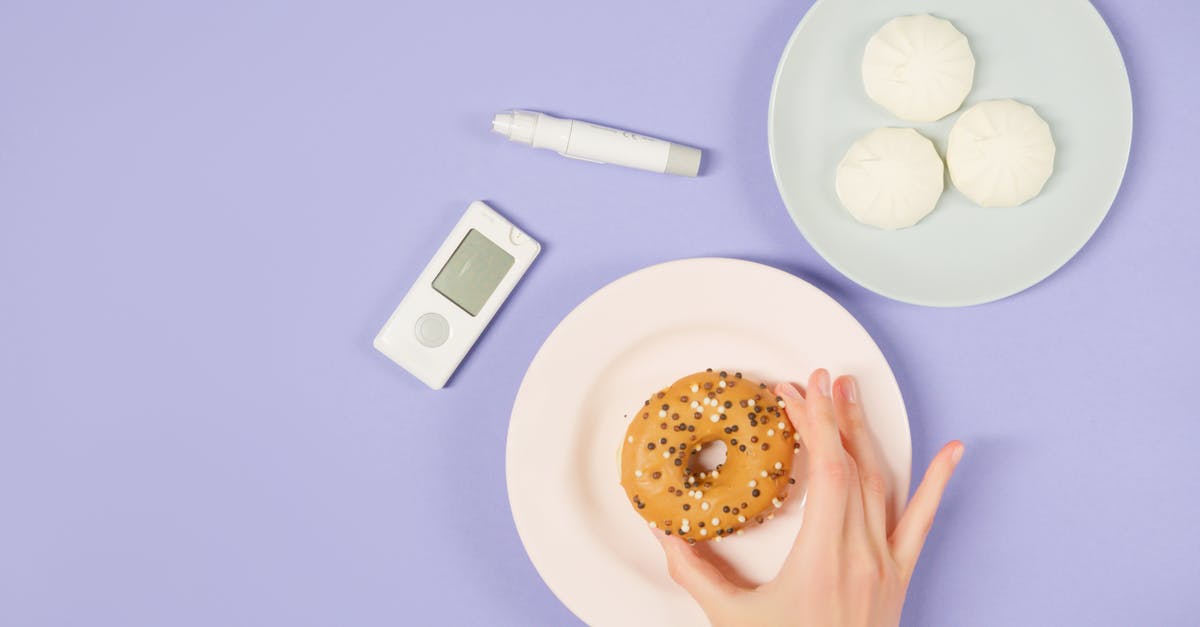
<point x="1056" y="55"/>
<point x="601" y="362"/>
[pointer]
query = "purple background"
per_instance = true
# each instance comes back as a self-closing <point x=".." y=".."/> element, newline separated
<point x="207" y="211"/>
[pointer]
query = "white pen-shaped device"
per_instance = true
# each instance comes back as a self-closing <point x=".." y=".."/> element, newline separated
<point x="600" y="144"/>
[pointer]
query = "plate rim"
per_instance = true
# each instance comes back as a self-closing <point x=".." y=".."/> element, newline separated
<point x="522" y="533"/>
<point x="946" y="302"/>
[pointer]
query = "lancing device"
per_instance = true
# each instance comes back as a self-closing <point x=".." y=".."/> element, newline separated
<point x="600" y="144"/>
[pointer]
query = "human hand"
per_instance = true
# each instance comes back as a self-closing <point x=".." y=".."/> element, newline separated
<point x="846" y="568"/>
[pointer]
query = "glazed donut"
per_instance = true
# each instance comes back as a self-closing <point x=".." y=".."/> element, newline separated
<point x="658" y="471"/>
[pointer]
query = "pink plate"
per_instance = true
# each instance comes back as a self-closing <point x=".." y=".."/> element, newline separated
<point x="622" y="343"/>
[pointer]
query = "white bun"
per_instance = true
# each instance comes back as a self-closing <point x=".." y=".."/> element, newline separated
<point x="890" y="178"/>
<point x="918" y="67"/>
<point x="1000" y="153"/>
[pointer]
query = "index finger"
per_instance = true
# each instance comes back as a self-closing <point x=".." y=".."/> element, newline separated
<point x="828" y="472"/>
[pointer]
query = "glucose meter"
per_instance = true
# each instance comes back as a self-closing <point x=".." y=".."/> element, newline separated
<point x="457" y="295"/>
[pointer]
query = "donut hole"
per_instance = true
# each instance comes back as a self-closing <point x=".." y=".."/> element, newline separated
<point x="711" y="455"/>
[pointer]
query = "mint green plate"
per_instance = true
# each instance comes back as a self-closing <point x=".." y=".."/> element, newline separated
<point x="1056" y="55"/>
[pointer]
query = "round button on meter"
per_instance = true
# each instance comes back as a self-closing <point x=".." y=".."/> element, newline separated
<point x="432" y="330"/>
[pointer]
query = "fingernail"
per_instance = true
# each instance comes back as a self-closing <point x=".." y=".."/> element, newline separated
<point x="957" y="454"/>
<point x="788" y="390"/>
<point x="850" y="388"/>
<point x="669" y="542"/>
<point x="823" y="382"/>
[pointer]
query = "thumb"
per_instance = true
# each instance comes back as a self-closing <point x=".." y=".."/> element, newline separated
<point x="700" y="578"/>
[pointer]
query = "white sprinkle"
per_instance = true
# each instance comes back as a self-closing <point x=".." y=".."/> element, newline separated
<point x="777" y="503"/>
<point x="754" y="483"/>
<point x="764" y="473"/>
<point x="782" y="404"/>
<point x="750" y="403"/>
<point x="699" y="495"/>
<point x="653" y="525"/>
<point x="691" y="493"/>
<point x="720" y="384"/>
<point x="718" y="539"/>
<point x="629" y="439"/>
<point x="770" y="516"/>
<point x="716" y="521"/>
<point x="704" y="506"/>
<point x="695" y="388"/>
<point x="715" y="418"/>
<point x="703" y="532"/>
<point x="666" y="455"/>
<point x="697" y="449"/>
<point x="691" y="480"/>
<point x="778" y="465"/>
<point x="701" y="475"/>
<point x="781" y="426"/>
<point x="741" y="518"/>
<point x="662" y="413"/>
<point x="796" y="437"/>
<point x="739" y="532"/>
<point x="714" y="474"/>
<point x="684" y="523"/>
<point x="770" y="432"/>
<point x="637" y="473"/>
<point x="695" y="405"/>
